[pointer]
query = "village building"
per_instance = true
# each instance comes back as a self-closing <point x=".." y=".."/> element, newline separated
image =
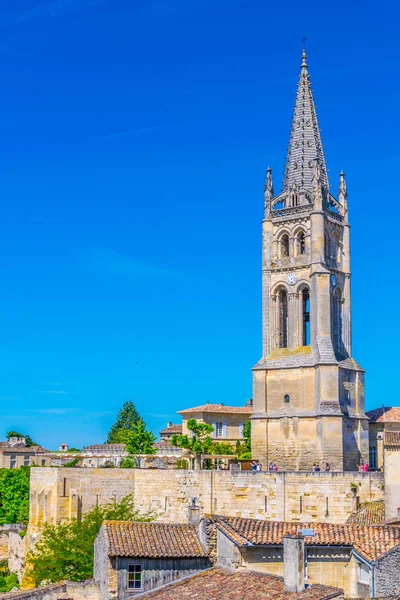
<point x="227" y="421"/>
<point x="359" y="559"/>
<point x="308" y="390"/>
<point x="133" y="557"/>
<point x="170" y="430"/>
<point x="15" y="453"/>
<point x="381" y="420"/>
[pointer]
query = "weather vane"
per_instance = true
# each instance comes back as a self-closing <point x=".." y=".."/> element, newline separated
<point x="303" y="41"/>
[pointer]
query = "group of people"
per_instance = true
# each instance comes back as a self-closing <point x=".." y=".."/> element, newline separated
<point x="316" y="468"/>
<point x="256" y="466"/>
<point x="363" y="468"/>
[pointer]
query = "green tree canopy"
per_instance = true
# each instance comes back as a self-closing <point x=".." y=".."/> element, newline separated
<point x="65" y="550"/>
<point x="127" y="417"/>
<point x="199" y="442"/>
<point x="14" y="495"/>
<point x="139" y="440"/>
<point x="28" y="439"/>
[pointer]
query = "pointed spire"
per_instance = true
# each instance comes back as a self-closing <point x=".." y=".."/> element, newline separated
<point x="305" y="140"/>
<point x="268" y="192"/>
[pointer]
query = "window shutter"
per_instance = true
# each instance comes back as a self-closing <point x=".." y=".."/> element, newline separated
<point x="241" y="428"/>
<point x="224" y="426"/>
<point x="214" y="425"/>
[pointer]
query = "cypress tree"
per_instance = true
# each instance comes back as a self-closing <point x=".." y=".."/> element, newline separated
<point x="127" y="418"/>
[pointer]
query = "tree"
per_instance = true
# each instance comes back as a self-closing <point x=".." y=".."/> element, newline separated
<point x="65" y="550"/>
<point x="199" y="443"/>
<point x="244" y="450"/>
<point x="127" y="417"/>
<point x="29" y="441"/>
<point x="139" y="440"/>
<point x="14" y="495"/>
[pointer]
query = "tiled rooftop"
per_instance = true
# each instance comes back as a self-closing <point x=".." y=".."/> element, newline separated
<point x="384" y="413"/>
<point x="223" y="584"/>
<point x="103" y="448"/>
<point x="369" y="513"/>
<point x="392" y="438"/>
<point x="20" y="448"/>
<point x="171" y="429"/>
<point x="152" y="540"/>
<point x="218" y="408"/>
<point x="370" y="541"/>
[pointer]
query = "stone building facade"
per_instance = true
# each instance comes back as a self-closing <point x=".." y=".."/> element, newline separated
<point x="130" y="558"/>
<point x="227" y="421"/>
<point x="308" y="391"/>
<point x="361" y="560"/>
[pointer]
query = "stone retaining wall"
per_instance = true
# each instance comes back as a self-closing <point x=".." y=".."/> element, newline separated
<point x="64" y="493"/>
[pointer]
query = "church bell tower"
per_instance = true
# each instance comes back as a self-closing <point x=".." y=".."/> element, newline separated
<point x="308" y="391"/>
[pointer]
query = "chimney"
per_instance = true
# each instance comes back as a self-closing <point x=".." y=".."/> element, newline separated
<point x="16" y="441"/>
<point x="293" y="563"/>
<point x="169" y="424"/>
<point x="194" y="512"/>
<point x="398" y="511"/>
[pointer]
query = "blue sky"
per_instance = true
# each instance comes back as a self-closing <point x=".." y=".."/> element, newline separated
<point x="134" y="138"/>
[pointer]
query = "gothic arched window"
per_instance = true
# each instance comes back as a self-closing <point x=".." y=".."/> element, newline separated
<point x="284" y="245"/>
<point x="305" y="313"/>
<point x="283" y="319"/>
<point x="337" y="319"/>
<point x="301" y="243"/>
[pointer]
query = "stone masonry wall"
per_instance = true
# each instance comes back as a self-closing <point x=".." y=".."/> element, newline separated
<point x="63" y="493"/>
<point x="17" y="547"/>
<point x="387" y="575"/>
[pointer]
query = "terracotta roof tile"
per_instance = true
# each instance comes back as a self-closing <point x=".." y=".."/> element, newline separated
<point x="392" y="438"/>
<point x="384" y="413"/>
<point x="218" y="408"/>
<point x="371" y="541"/>
<point x="369" y="513"/>
<point x="224" y="584"/>
<point x="20" y="449"/>
<point x="152" y="540"/>
<point x="104" y="448"/>
<point x="172" y="429"/>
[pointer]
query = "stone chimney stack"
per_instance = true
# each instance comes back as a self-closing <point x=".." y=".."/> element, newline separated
<point x="293" y="563"/>
<point x="169" y="424"/>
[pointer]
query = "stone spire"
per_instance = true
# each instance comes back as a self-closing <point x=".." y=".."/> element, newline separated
<point x="305" y="140"/>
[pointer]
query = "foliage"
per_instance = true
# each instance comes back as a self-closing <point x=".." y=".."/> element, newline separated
<point x="29" y="441"/>
<point x="8" y="580"/>
<point x="65" y="550"/>
<point x="222" y="448"/>
<point x="139" y="440"/>
<point x="243" y="450"/>
<point x="182" y="464"/>
<point x="74" y="449"/>
<point x="72" y="463"/>
<point x="14" y="495"/>
<point x="129" y="463"/>
<point x="127" y="417"/>
<point x="108" y="464"/>
<point x="199" y="442"/>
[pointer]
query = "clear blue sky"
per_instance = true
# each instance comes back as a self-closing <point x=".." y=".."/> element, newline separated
<point x="134" y="138"/>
